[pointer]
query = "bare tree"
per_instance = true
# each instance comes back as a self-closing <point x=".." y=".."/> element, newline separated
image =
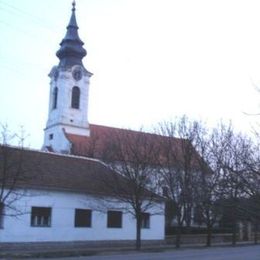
<point x="133" y="158"/>
<point x="209" y="189"/>
<point x="233" y="153"/>
<point x="12" y="172"/>
<point x="179" y="169"/>
<point x="208" y="171"/>
<point x="251" y="178"/>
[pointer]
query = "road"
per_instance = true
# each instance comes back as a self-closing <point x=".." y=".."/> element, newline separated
<point x="215" y="253"/>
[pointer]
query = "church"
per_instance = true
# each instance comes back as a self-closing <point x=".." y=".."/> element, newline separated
<point x="62" y="194"/>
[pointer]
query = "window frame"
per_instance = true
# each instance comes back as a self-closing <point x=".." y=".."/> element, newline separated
<point x="145" y="220"/>
<point x="114" y="219"/>
<point x="75" y="97"/>
<point x="55" y="98"/>
<point x="78" y="214"/>
<point x="41" y="219"/>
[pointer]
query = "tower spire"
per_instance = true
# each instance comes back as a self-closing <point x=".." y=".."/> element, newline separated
<point x="71" y="50"/>
<point x="69" y="87"/>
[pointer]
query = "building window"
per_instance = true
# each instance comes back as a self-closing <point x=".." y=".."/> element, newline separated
<point x="55" y="98"/>
<point x="75" y="97"/>
<point x="145" y="222"/>
<point x="114" y="219"/>
<point x="1" y="214"/>
<point x="50" y="136"/>
<point x="41" y="217"/>
<point x="82" y="218"/>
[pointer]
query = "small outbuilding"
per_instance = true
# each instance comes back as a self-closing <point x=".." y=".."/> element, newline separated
<point x="65" y="198"/>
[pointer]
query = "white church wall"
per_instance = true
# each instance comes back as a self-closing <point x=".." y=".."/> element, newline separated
<point x="63" y="205"/>
<point x="55" y="138"/>
<point x="64" y="113"/>
<point x="63" y="116"/>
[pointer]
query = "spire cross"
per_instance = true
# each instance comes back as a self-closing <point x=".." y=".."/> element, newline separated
<point x="73" y="5"/>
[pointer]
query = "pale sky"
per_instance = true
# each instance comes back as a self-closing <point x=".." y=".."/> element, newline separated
<point x="152" y="60"/>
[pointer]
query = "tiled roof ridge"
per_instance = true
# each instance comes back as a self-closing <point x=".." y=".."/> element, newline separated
<point x="28" y="149"/>
<point x="132" y="130"/>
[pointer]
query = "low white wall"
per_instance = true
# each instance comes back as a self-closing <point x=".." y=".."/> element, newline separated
<point x="63" y="204"/>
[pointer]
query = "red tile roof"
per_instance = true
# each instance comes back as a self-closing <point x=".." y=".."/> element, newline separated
<point x="53" y="171"/>
<point x="45" y="170"/>
<point x="97" y="144"/>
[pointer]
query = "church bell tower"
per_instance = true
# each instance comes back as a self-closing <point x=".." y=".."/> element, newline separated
<point x="69" y="87"/>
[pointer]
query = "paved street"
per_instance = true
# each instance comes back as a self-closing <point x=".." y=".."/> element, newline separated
<point x="220" y="253"/>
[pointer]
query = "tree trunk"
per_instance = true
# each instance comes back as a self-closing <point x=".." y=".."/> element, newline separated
<point x="234" y="234"/>
<point x="209" y="235"/>
<point x="1" y="214"/>
<point x="255" y="233"/>
<point x="178" y="237"/>
<point x="138" y="233"/>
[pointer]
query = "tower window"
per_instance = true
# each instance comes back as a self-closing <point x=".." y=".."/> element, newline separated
<point x="75" y="97"/>
<point x="55" y="98"/>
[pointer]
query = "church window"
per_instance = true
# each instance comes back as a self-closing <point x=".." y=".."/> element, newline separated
<point x="145" y="221"/>
<point x="75" y="97"/>
<point x="41" y="217"/>
<point x="82" y="218"/>
<point x="114" y="219"/>
<point x="55" y="98"/>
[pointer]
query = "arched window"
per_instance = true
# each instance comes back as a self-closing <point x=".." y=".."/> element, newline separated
<point x="75" y="97"/>
<point x="55" y="98"/>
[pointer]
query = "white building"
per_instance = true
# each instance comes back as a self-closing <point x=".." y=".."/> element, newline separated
<point x="65" y="197"/>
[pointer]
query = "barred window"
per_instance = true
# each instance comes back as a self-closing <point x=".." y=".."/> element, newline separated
<point x="41" y="217"/>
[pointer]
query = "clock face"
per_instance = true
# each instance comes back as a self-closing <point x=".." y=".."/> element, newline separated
<point x="77" y="74"/>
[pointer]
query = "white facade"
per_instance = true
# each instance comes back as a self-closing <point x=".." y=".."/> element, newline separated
<point x="63" y="205"/>
<point x="62" y="115"/>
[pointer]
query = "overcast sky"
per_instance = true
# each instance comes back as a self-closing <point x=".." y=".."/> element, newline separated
<point x="152" y="60"/>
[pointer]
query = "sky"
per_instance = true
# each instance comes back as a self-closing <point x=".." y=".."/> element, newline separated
<point x="152" y="60"/>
